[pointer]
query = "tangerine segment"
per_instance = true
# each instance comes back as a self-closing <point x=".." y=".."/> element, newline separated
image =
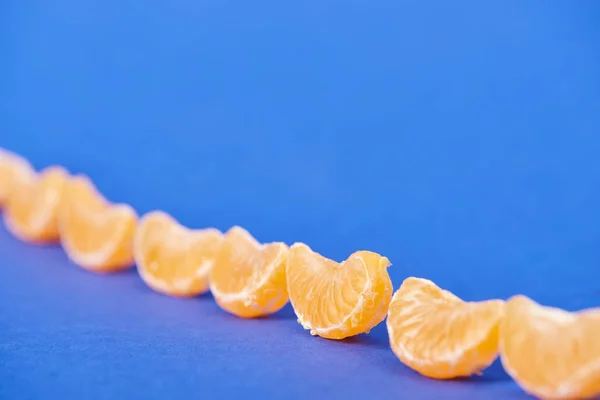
<point x="551" y="353"/>
<point x="248" y="278"/>
<point x="172" y="259"/>
<point x="338" y="300"/>
<point x="31" y="212"/>
<point x="439" y="335"/>
<point x="96" y="234"/>
<point x="14" y="169"/>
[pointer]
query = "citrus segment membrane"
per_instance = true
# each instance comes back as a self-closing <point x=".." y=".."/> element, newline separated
<point x="439" y="335"/>
<point x="33" y="206"/>
<point x="172" y="259"/>
<point x="248" y="278"/>
<point x="337" y="300"/>
<point x="14" y="170"/>
<point x="549" y="352"/>
<point x="95" y="233"/>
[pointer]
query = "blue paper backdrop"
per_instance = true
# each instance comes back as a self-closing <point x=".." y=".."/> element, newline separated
<point x="460" y="139"/>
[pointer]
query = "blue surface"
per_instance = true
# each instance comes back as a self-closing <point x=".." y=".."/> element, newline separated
<point x="459" y="139"/>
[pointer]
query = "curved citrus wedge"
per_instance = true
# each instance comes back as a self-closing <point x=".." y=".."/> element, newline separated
<point x="13" y="170"/>
<point x="172" y="259"/>
<point x="31" y="211"/>
<point x="551" y="353"/>
<point x="96" y="234"/>
<point x="248" y="278"/>
<point x="338" y="300"/>
<point x="439" y="335"/>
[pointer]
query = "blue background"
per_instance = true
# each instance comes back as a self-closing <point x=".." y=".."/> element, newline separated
<point x="459" y="139"/>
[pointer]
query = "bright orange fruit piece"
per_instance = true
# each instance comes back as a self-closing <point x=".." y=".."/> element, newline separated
<point x="338" y="300"/>
<point x="31" y="211"/>
<point x="96" y="234"/>
<point x="172" y="259"/>
<point x="439" y="335"/>
<point x="551" y="353"/>
<point x="13" y="170"/>
<point x="248" y="278"/>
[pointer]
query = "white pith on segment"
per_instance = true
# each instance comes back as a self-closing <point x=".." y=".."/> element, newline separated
<point x="43" y="209"/>
<point x="343" y="324"/>
<point x="546" y="327"/>
<point x="18" y="166"/>
<point x="349" y="320"/>
<point x="246" y="296"/>
<point x="420" y="313"/>
<point x="176" y="235"/>
<point x="122" y="212"/>
<point x="181" y="285"/>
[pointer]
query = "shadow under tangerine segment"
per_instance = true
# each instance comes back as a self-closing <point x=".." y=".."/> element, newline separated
<point x="549" y="352"/>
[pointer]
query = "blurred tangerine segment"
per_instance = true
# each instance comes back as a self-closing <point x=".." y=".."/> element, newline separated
<point x="14" y="169"/>
<point x="248" y="278"/>
<point x="338" y="300"/>
<point x="32" y="209"/>
<point x="439" y="335"/>
<point x="95" y="233"/>
<point x="549" y="352"/>
<point x="173" y="259"/>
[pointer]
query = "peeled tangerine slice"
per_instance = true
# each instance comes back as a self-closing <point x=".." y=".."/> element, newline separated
<point x="248" y="278"/>
<point x="172" y="259"/>
<point x="31" y="211"/>
<point x="14" y="169"/>
<point x="551" y="353"/>
<point x="96" y="234"/>
<point x="439" y="335"/>
<point x="338" y="300"/>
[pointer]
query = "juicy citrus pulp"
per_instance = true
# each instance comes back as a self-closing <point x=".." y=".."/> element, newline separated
<point x="551" y="353"/>
<point x="172" y="259"/>
<point x="338" y="300"/>
<point x="439" y="335"/>
<point x="96" y="234"/>
<point x="248" y="278"/>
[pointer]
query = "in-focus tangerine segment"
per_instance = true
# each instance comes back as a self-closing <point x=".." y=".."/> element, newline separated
<point x="439" y="335"/>
<point x="33" y="206"/>
<point x="549" y="352"/>
<point x="96" y="234"/>
<point x="338" y="300"/>
<point x="248" y="278"/>
<point x="173" y="259"/>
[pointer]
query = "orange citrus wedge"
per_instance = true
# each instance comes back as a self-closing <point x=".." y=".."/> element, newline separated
<point x="13" y="170"/>
<point x="31" y="211"/>
<point x="338" y="300"/>
<point x="439" y="335"/>
<point x="172" y="259"/>
<point x="551" y="353"/>
<point x="248" y="278"/>
<point x="96" y="234"/>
